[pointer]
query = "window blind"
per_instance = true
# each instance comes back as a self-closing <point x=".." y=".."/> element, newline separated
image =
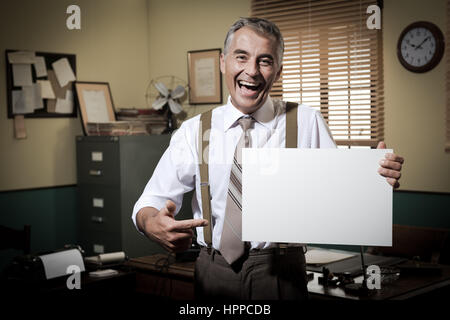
<point x="332" y="62"/>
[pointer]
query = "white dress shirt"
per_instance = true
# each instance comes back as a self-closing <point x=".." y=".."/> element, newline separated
<point x="178" y="172"/>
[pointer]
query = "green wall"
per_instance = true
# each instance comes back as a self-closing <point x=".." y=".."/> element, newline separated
<point x="52" y="214"/>
<point x="422" y="209"/>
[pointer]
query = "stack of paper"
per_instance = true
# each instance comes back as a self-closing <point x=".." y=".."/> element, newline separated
<point x="154" y="120"/>
<point x="116" y="128"/>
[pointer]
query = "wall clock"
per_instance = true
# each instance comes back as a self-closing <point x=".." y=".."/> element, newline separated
<point x="420" y="46"/>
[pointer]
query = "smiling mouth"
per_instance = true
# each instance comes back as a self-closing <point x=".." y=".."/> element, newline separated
<point x="252" y="86"/>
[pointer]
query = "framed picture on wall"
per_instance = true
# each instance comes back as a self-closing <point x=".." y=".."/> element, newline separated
<point x="95" y="102"/>
<point x="205" y="79"/>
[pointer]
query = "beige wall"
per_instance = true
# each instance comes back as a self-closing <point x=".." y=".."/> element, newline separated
<point x="127" y="43"/>
<point x="179" y="26"/>
<point x="111" y="46"/>
<point x="415" y="103"/>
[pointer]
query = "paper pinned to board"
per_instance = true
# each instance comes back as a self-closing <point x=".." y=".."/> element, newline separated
<point x="18" y="106"/>
<point x="323" y="196"/>
<point x="27" y="100"/>
<point x="20" y="132"/>
<point x="46" y="89"/>
<point x="65" y="105"/>
<point x="22" y="101"/>
<point x="23" y="57"/>
<point x="22" y="75"/>
<point x="28" y="97"/>
<point x="55" y="264"/>
<point x="37" y="97"/>
<point x="63" y="71"/>
<point x="39" y="67"/>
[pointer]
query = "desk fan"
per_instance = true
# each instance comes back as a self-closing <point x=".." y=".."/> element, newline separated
<point x="166" y="93"/>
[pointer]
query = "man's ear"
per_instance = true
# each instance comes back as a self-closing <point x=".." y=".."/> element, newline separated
<point x="279" y="73"/>
<point x="222" y="63"/>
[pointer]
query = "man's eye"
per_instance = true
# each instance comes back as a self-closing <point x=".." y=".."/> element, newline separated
<point x="241" y="58"/>
<point x="266" y="62"/>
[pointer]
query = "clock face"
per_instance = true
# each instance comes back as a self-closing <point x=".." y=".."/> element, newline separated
<point x="420" y="46"/>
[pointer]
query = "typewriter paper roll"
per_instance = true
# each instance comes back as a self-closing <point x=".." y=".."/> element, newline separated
<point x="113" y="257"/>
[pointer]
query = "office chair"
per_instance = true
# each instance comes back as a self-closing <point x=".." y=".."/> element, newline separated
<point x="15" y="239"/>
<point x="420" y="243"/>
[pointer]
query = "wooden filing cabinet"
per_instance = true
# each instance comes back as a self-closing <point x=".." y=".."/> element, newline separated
<point x="112" y="173"/>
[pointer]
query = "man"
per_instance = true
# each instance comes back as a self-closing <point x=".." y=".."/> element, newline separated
<point x="251" y="63"/>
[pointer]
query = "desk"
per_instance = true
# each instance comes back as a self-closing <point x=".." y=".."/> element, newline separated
<point x="176" y="281"/>
<point x="160" y="275"/>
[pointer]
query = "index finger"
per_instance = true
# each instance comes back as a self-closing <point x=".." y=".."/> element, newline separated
<point x="189" y="223"/>
<point x="394" y="157"/>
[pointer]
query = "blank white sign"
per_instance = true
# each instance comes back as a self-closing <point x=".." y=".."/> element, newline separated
<point x="322" y="196"/>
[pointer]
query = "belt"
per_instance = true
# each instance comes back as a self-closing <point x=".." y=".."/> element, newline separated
<point x="280" y="250"/>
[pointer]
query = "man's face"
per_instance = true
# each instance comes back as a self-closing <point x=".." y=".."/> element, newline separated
<point x="250" y="68"/>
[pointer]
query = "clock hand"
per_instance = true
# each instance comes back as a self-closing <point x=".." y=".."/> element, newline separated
<point x="420" y="45"/>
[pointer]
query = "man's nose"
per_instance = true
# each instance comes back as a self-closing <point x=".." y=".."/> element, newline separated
<point x="252" y="68"/>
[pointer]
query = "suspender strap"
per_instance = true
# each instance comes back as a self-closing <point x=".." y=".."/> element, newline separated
<point x="291" y="125"/>
<point x="204" y="127"/>
<point x="291" y="141"/>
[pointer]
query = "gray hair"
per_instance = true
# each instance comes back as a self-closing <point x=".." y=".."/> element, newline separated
<point x="261" y="26"/>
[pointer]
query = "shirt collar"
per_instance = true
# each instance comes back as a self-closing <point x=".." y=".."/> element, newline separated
<point x="264" y="115"/>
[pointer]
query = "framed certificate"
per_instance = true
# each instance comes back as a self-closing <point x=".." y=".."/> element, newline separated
<point x="95" y="103"/>
<point x="205" y="79"/>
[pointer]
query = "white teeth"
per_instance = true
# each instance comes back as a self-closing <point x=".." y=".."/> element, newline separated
<point x="245" y="83"/>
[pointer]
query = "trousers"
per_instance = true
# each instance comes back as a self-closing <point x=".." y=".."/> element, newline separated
<point x="266" y="274"/>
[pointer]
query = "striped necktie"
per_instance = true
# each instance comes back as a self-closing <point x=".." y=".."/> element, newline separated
<point x="231" y="245"/>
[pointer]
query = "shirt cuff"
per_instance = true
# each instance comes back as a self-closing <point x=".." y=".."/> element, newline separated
<point x="152" y="201"/>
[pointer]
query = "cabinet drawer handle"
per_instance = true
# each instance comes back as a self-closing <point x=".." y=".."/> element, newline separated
<point x="97" y="219"/>
<point x="95" y="172"/>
